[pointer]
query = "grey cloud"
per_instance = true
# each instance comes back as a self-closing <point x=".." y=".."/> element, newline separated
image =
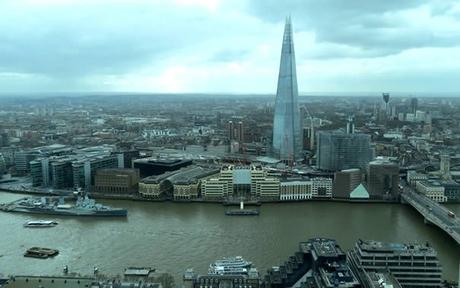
<point x="61" y="54"/>
<point x="337" y="11"/>
<point x="367" y="25"/>
<point x="76" y="41"/>
<point x="329" y="51"/>
<point x="228" y="55"/>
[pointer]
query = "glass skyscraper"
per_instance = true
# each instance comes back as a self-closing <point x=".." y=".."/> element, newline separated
<point x="338" y="151"/>
<point x="287" y="142"/>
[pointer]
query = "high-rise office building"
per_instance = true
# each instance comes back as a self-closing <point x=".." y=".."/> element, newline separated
<point x="3" y="139"/>
<point x="236" y="131"/>
<point x="129" y="156"/>
<point x="61" y="174"/>
<point x="336" y="150"/>
<point x="444" y="166"/>
<point x="345" y="182"/>
<point x="413" y="105"/>
<point x="75" y="170"/>
<point x="413" y="265"/>
<point x="287" y="142"/>
<point x="386" y="101"/>
<point x="308" y="137"/>
<point x="351" y="125"/>
<point x="383" y="179"/>
<point x="116" y="181"/>
<point x="320" y="262"/>
<point x="2" y="165"/>
<point x="85" y="169"/>
<point x="23" y="158"/>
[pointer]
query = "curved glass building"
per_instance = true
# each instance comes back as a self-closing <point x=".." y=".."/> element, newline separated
<point x="287" y="142"/>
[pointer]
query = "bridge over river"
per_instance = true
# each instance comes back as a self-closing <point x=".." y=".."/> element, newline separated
<point x="433" y="212"/>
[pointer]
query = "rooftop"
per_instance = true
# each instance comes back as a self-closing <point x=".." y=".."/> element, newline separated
<point x="377" y="246"/>
<point x="322" y="247"/>
<point x="186" y="175"/>
<point x="431" y="183"/>
<point x="295" y="182"/>
<point x="338" y="275"/>
<point x="192" y="174"/>
<point x="382" y="161"/>
<point x="325" y="248"/>
<point x="123" y="171"/>
<point x="162" y="161"/>
<point x="79" y="156"/>
<point x="382" y="279"/>
<point x="267" y="160"/>
<point x="351" y="170"/>
<point x="360" y="192"/>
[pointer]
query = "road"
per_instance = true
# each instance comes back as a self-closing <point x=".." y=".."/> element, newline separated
<point x="433" y="212"/>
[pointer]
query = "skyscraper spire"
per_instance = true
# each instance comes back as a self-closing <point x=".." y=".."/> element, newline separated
<point x="287" y="144"/>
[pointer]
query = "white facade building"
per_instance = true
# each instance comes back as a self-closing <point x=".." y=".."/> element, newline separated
<point x="295" y="190"/>
<point x="432" y="189"/>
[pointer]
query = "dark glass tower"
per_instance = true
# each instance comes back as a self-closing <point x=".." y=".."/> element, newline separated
<point x="287" y="142"/>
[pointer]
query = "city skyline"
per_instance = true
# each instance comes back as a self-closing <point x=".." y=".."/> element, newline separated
<point x="129" y="46"/>
<point x="150" y="143"/>
<point x="161" y="162"/>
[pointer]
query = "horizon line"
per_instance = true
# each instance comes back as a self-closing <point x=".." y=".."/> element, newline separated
<point x="301" y="94"/>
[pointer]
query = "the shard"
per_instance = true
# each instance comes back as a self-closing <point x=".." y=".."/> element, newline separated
<point x="287" y="143"/>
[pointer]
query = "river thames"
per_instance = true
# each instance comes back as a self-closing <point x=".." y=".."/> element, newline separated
<point x="175" y="236"/>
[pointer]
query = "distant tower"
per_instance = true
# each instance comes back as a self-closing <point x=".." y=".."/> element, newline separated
<point x="444" y="168"/>
<point x="351" y="124"/>
<point x="231" y="130"/>
<point x="413" y="105"/>
<point x="287" y="141"/>
<point x="235" y="131"/>
<point x="376" y="111"/>
<point x="386" y="99"/>
<point x="240" y="132"/>
<point x="309" y="132"/>
<point x="2" y="165"/>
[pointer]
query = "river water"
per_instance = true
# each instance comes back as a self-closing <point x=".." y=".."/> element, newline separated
<point x="174" y="236"/>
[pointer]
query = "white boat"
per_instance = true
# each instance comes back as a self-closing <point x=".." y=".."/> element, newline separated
<point x="236" y="261"/>
<point x="40" y="224"/>
<point x="223" y="270"/>
<point x="230" y="266"/>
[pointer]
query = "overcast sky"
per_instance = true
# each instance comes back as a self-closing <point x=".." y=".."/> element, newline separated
<point x="229" y="46"/>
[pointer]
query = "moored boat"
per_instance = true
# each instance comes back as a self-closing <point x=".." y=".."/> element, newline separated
<point x="40" y="224"/>
<point x="242" y="212"/>
<point x="83" y="206"/>
<point x="42" y="253"/>
<point x="230" y="266"/>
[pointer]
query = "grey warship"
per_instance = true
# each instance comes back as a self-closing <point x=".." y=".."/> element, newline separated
<point x="83" y="206"/>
